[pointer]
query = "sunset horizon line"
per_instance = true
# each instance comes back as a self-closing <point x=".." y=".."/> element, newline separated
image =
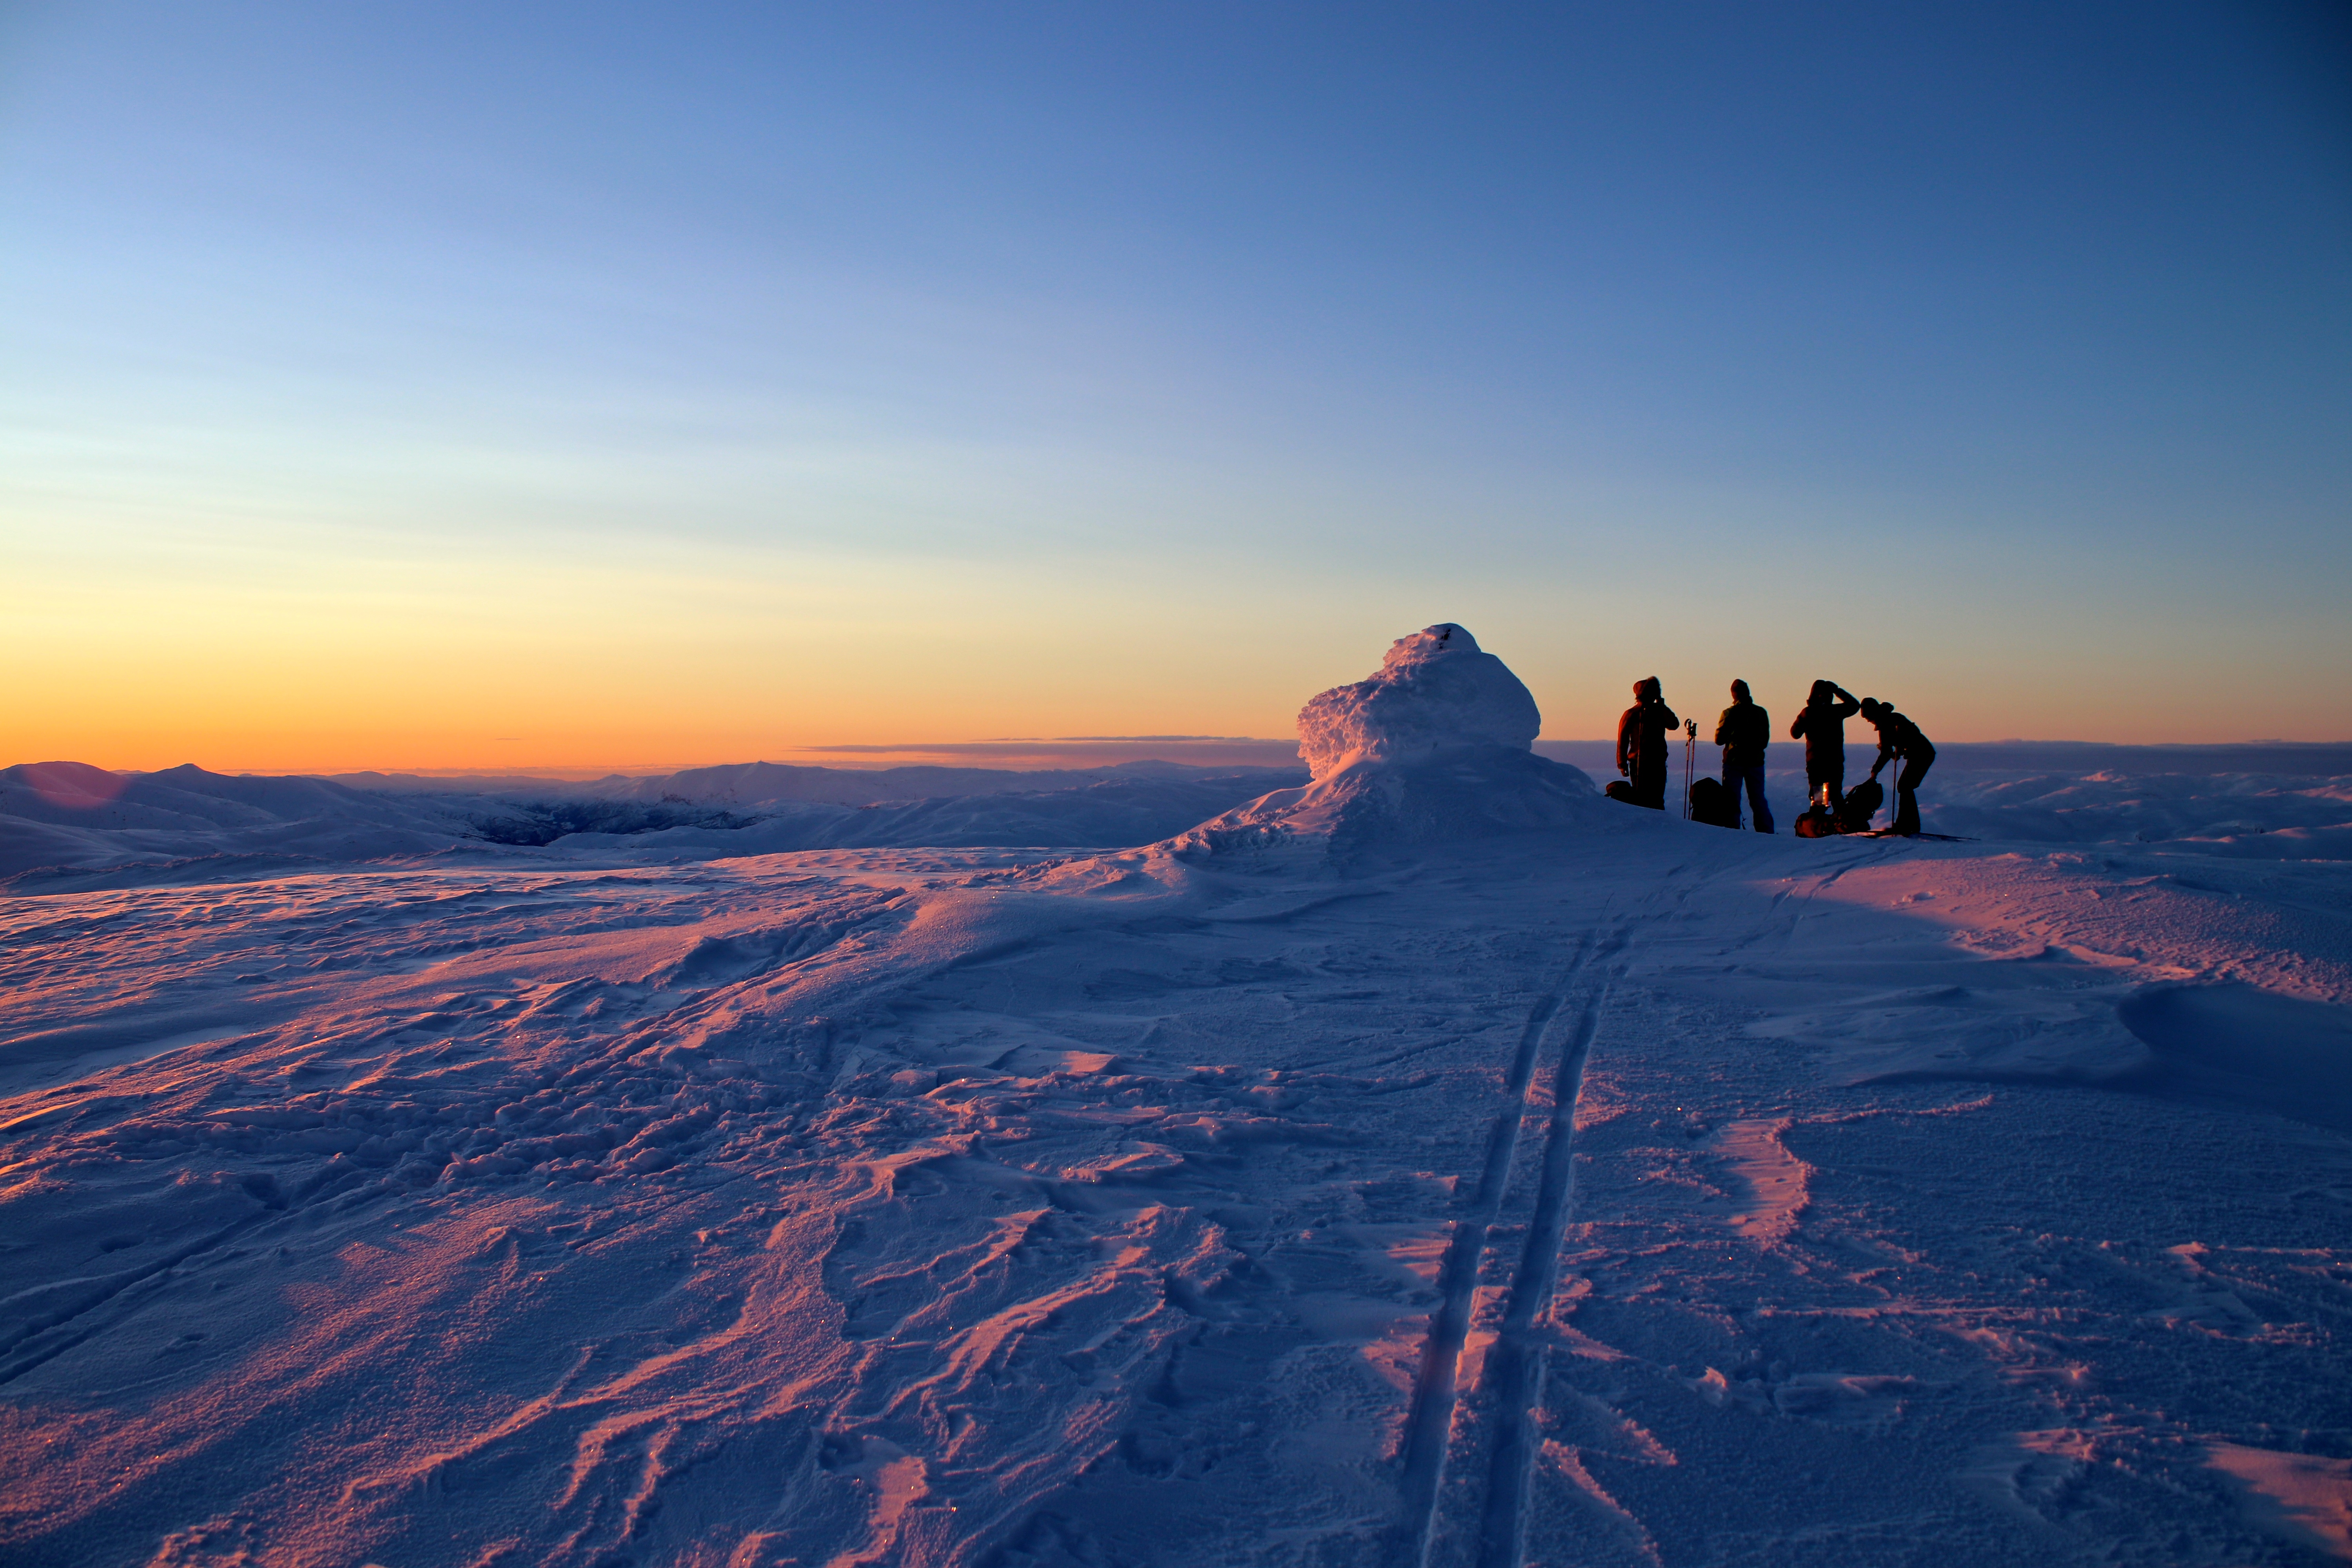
<point x="978" y="754"/>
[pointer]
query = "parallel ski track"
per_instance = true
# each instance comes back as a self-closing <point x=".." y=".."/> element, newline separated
<point x="1516" y="1363"/>
<point x="1435" y="1393"/>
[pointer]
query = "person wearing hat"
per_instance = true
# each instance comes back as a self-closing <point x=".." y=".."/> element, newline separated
<point x="1898" y="737"/>
<point x="1642" y="750"/>
<point x="1821" y="724"/>
<point x="1743" y="732"/>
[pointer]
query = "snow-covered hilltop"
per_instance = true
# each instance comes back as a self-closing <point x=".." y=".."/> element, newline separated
<point x="1432" y="1165"/>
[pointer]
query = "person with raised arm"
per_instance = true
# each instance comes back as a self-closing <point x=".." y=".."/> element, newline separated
<point x="1642" y="749"/>
<point x="1743" y="732"/>
<point x="1821" y="724"/>
<point x="1898" y="737"/>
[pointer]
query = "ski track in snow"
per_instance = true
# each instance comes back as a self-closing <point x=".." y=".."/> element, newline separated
<point x="1643" y="1193"/>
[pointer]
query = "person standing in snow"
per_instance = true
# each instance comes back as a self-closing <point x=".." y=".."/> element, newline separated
<point x="1898" y="737"/>
<point x="1821" y="724"/>
<point x="1642" y="750"/>
<point x="1743" y="732"/>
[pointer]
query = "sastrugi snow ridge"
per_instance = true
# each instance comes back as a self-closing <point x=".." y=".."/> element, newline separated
<point x="1436" y="744"/>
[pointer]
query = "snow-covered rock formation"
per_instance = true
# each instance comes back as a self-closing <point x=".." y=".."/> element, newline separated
<point x="1435" y="691"/>
<point x="1436" y="744"/>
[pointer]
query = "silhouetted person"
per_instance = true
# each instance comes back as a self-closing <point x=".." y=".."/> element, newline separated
<point x="1898" y="737"/>
<point x="1743" y="732"/>
<point x="1821" y="724"/>
<point x="1642" y="743"/>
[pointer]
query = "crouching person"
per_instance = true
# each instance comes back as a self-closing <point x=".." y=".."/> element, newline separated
<point x="1898" y="737"/>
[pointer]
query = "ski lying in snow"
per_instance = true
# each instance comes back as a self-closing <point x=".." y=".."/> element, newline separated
<point x="1890" y="832"/>
<point x="1813" y="825"/>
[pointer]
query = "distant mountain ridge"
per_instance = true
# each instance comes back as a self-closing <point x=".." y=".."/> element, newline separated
<point x="2266" y="800"/>
<point x="71" y="815"/>
<point x="740" y="784"/>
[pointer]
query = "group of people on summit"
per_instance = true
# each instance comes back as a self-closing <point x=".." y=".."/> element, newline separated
<point x="1745" y="729"/>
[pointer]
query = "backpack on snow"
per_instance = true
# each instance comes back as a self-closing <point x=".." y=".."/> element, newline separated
<point x="1861" y="803"/>
<point x="1712" y="804"/>
<point x="1620" y="789"/>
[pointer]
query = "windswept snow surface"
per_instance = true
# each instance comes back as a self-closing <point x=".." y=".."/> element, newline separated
<point x="1366" y="1177"/>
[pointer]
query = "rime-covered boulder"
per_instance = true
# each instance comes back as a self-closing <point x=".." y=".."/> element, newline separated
<point x="1436" y="744"/>
<point x="1435" y="691"/>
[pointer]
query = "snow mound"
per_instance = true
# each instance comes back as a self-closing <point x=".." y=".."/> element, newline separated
<point x="1435" y="744"/>
<point x="1435" y="691"/>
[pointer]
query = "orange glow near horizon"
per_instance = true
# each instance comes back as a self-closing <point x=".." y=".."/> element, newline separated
<point x="330" y="653"/>
<point x="319" y="716"/>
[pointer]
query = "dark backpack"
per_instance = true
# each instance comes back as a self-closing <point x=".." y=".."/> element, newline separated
<point x="1861" y="803"/>
<point x="1712" y="804"/>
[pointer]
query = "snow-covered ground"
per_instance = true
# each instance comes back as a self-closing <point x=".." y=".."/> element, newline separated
<point x="61" y="822"/>
<point x="1433" y="1164"/>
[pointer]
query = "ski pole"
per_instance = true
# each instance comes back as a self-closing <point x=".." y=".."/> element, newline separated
<point x="1690" y="749"/>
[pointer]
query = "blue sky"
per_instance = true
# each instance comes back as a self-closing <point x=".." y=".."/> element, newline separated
<point x="436" y="384"/>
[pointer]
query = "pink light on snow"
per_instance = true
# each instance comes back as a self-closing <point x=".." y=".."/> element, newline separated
<point x="74" y="786"/>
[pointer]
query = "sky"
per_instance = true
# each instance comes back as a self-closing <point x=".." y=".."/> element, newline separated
<point x="431" y="386"/>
